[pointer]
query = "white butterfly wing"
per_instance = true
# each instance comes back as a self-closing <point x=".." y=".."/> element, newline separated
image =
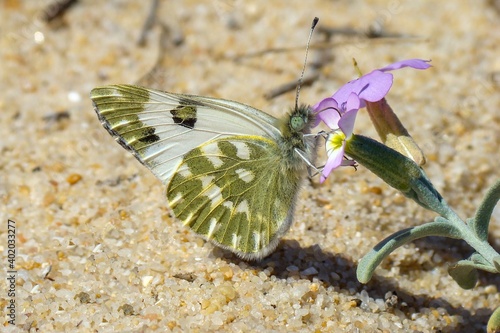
<point x="159" y="128"/>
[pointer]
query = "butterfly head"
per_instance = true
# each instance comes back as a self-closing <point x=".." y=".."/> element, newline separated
<point x="293" y="127"/>
<point x="300" y="119"/>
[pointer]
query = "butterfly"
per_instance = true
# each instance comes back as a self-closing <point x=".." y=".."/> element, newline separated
<point x="232" y="172"/>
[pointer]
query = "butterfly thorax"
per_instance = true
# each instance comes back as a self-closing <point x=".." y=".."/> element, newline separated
<point x="293" y="127"/>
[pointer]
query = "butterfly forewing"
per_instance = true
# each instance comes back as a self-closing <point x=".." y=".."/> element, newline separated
<point x="233" y="192"/>
<point x="160" y="127"/>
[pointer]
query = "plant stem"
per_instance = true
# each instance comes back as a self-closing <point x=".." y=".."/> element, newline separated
<point x="469" y="236"/>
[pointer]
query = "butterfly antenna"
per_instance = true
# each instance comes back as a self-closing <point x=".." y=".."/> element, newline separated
<point x="314" y="23"/>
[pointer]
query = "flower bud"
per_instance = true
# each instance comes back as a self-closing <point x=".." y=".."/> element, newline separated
<point x="392" y="132"/>
<point x="396" y="170"/>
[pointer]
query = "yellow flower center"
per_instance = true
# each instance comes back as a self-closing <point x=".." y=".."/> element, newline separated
<point x="335" y="140"/>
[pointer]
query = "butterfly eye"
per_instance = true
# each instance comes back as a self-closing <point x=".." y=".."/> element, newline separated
<point x="297" y="123"/>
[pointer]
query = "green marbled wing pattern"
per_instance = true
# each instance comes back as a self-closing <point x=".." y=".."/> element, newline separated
<point x="237" y="192"/>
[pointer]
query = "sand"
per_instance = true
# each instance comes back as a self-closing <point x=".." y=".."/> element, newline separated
<point x="98" y="250"/>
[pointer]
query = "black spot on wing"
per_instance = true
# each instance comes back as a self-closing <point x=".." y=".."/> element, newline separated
<point x="185" y="114"/>
<point x="185" y="122"/>
<point x="149" y="136"/>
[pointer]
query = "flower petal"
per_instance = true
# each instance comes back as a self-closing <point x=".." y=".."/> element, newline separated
<point x="348" y="163"/>
<point x="335" y="157"/>
<point x="346" y="123"/>
<point x="352" y="103"/>
<point x="375" y="85"/>
<point x="328" y="112"/>
<point x="413" y="63"/>
<point x="327" y="103"/>
<point x="371" y="87"/>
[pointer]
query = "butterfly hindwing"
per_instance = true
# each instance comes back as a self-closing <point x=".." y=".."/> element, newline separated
<point x="233" y="192"/>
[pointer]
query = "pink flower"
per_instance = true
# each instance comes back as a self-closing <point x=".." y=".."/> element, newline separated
<point x="339" y="111"/>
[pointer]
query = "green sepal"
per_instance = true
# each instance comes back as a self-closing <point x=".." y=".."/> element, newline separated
<point x="396" y="170"/>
